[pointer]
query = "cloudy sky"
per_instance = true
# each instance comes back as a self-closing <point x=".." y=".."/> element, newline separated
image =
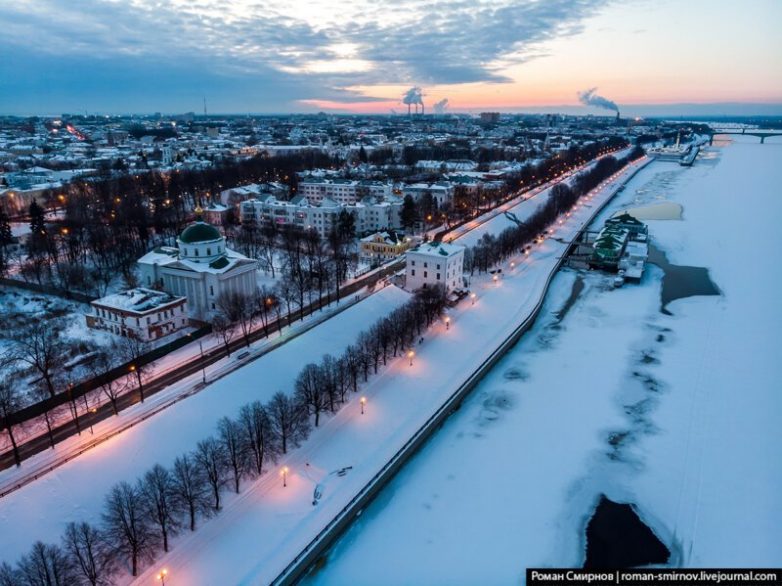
<point x="649" y="56"/>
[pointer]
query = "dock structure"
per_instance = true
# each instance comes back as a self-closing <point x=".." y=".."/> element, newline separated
<point x="621" y="246"/>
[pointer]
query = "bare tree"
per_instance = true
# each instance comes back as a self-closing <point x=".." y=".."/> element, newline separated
<point x="190" y="488"/>
<point x="237" y="308"/>
<point x="89" y="555"/>
<point x="309" y="391"/>
<point x="111" y="386"/>
<point x="257" y="434"/>
<point x="127" y="528"/>
<point x="233" y="448"/>
<point x="160" y="505"/>
<point x="10" y="403"/>
<point x="133" y="351"/>
<point x="289" y="420"/>
<point x="41" y="393"/>
<point x="41" y="348"/>
<point x="224" y="330"/>
<point x="46" y="565"/>
<point x="210" y="457"/>
<point x="8" y="576"/>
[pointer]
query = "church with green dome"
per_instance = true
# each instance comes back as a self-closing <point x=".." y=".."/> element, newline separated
<point x="200" y="268"/>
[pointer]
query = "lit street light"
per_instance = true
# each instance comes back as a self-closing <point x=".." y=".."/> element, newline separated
<point x="161" y="576"/>
<point x="410" y="355"/>
<point x="93" y="411"/>
<point x="363" y="402"/>
<point x="448" y="323"/>
<point x="473" y="296"/>
<point x="496" y="279"/>
<point x="284" y="473"/>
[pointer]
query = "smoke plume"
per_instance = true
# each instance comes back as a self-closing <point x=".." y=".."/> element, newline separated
<point x="590" y="98"/>
<point x="441" y="106"/>
<point x="414" y="97"/>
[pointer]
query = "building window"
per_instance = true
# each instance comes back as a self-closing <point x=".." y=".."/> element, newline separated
<point x="425" y="274"/>
<point x="208" y="252"/>
<point x="438" y="276"/>
<point x="438" y="266"/>
<point x="412" y="273"/>
<point x="426" y="264"/>
<point x="196" y="252"/>
<point x="211" y="290"/>
<point x="412" y="262"/>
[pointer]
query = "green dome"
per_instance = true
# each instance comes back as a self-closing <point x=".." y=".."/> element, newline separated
<point x="199" y="232"/>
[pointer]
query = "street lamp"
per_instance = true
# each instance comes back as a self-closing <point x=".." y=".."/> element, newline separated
<point x="93" y="411"/>
<point x="284" y="474"/>
<point x="448" y="323"/>
<point x="161" y="576"/>
<point x="473" y="296"/>
<point x="410" y="355"/>
<point x="495" y="278"/>
<point x="363" y="402"/>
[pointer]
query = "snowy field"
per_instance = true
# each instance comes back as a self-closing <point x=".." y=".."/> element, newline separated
<point x="675" y="413"/>
<point x="75" y="491"/>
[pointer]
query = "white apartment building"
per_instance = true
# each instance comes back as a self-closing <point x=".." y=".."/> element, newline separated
<point x="139" y="313"/>
<point x="370" y="215"/>
<point x="342" y="191"/>
<point x="434" y="263"/>
<point x="441" y="192"/>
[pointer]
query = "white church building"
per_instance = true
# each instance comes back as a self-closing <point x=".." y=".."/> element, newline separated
<point x="201" y="268"/>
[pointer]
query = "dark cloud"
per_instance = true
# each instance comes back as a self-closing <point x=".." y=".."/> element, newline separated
<point x="253" y="55"/>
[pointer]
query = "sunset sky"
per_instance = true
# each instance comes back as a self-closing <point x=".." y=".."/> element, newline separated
<point x="649" y="56"/>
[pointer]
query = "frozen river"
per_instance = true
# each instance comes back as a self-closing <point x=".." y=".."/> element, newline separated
<point x="677" y="412"/>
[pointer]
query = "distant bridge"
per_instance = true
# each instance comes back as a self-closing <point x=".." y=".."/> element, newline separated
<point x="759" y="132"/>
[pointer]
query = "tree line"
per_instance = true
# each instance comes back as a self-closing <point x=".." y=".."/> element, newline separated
<point x="490" y="249"/>
<point x="140" y="518"/>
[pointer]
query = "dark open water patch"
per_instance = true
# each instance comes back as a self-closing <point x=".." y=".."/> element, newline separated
<point x="680" y="281"/>
<point x="617" y="538"/>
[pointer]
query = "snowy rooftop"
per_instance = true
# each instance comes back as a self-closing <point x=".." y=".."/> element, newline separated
<point x="137" y="300"/>
<point x="438" y="249"/>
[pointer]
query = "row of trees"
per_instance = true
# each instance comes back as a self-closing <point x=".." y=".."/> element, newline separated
<point x="491" y="249"/>
<point x="140" y="519"/>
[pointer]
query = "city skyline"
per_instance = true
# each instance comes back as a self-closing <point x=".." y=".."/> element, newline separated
<point x="249" y="57"/>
